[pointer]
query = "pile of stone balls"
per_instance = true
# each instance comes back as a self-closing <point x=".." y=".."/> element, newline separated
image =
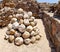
<point x="24" y="30"/>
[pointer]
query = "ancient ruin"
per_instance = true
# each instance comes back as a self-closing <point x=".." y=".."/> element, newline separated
<point x="17" y="19"/>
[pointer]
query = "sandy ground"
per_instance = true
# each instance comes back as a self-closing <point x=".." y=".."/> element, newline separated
<point x="39" y="46"/>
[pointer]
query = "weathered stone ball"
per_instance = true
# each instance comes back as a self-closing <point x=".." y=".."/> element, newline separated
<point x="20" y="10"/>
<point x="17" y="34"/>
<point x="13" y="20"/>
<point x="33" y="33"/>
<point x="10" y="16"/>
<point x="27" y="41"/>
<point x="26" y="35"/>
<point x="12" y="32"/>
<point x="29" y="28"/>
<point x="30" y="13"/>
<point x="21" y="28"/>
<point x="32" y="18"/>
<point x="18" y="41"/>
<point x="37" y="37"/>
<point x="15" y="25"/>
<point x="21" y="21"/>
<point x="32" y="24"/>
<point x="33" y="39"/>
<point x="11" y="38"/>
<point x="26" y="22"/>
<point x="9" y="26"/>
<point x="19" y="16"/>
<point x="26" y="16"/>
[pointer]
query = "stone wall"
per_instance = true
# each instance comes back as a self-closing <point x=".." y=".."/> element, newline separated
<point x="53" y="29"/>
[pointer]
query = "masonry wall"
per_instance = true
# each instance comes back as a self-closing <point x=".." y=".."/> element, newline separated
<point x="53" y="29"/>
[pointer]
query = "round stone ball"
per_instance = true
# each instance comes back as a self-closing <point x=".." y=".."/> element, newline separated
<point x="26" y="35"/>
<point x="18" y="41"/>
<point x="27" y="41"/>
<point x="11" y="38"/>
<point x="30" y="13"/>
<point x="29" y="28"/>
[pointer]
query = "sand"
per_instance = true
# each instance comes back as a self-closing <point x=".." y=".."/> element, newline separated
<point x="40" y="46"/>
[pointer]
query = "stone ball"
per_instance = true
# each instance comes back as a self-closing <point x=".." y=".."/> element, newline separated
<point x="18" y="41"/>
<point x="27" y="41"/>
<point x="26" y="35"/>
<point x="29" y="28"/>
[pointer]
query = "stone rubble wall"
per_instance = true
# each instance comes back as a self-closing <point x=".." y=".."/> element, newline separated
<point x="53" y="29"/>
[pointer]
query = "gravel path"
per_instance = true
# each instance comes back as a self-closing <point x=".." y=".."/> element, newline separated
<point x="39" y="46"/>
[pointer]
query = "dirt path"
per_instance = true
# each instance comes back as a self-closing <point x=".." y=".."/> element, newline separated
<point x="39" y="46"/>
